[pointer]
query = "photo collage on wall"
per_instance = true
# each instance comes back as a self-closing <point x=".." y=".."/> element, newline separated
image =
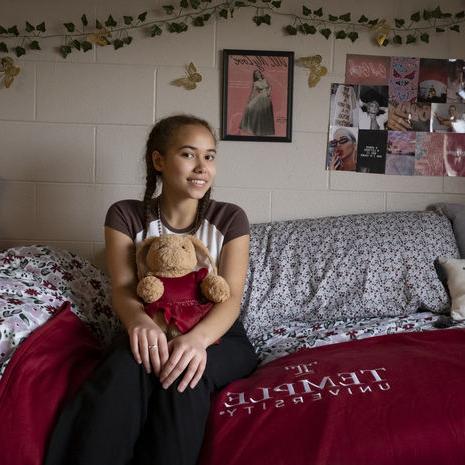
<point x="398" y="115"/>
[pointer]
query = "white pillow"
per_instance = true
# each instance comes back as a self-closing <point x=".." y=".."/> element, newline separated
<point x="455" y="272"/>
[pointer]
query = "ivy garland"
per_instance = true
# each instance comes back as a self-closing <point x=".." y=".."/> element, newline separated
<point x="197" y="13"/>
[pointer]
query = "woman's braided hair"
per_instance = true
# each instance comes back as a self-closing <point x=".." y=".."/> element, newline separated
<point x="160" y="139"/>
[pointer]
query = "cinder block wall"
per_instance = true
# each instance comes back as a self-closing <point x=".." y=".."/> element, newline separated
<point x="72" y="131"/>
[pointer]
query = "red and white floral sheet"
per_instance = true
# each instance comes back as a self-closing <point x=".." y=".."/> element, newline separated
<point x="388" y="400"/>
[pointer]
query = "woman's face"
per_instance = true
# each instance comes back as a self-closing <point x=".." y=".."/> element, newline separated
<point x="372" y="107"/>
<point x="257" y="74"/>
<point x="188" y="166"/>
<point x="343" y="144"/>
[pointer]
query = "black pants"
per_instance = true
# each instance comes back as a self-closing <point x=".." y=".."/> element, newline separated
<point x="123" y="416"/>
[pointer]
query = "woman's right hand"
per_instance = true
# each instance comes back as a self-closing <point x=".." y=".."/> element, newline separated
<point x="148" y="343"/>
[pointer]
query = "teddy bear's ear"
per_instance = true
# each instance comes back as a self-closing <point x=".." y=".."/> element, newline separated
<point x="203" y="255"/>
<point x="141" y="256"/>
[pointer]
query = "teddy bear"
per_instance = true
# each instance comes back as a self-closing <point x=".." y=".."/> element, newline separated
<point x="177" y="296"/>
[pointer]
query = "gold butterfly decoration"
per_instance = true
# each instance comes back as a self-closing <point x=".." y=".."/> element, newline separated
<point x="100" y="37"/>
<point x="190" y="81"/>
<point x="382" y="29"/>
<point x="10" y="71"/>
<point x="316" y="71"/>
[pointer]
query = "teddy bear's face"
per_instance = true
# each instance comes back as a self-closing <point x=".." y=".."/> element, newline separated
<point x="171" y="256"/>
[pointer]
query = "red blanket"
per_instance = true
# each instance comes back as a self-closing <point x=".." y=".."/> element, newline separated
<point x="388" y="400"/>
<point x="49" y="365"/>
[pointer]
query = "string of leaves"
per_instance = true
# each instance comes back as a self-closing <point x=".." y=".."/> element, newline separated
<point x="83" y="35"/>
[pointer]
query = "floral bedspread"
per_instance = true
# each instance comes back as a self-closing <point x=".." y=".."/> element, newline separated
<point x="286" y="339"/>
<point x="35" y="281"/>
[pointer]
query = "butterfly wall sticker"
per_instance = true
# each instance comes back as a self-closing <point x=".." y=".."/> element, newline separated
<point x="9" y="70"/>
<point x="190" y="81"/>
<point x="316" y="70"/>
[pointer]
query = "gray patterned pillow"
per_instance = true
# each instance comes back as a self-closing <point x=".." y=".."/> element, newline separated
<point x="353" y="266"/>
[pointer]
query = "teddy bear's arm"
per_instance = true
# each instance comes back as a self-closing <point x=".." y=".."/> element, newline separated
<point x="215" y="288"/>
<point x="150" y="289"/>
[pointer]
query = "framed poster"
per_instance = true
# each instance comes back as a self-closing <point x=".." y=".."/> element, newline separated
<point x="257" y="95"/>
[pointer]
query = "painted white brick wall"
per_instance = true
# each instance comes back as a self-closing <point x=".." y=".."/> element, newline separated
<point x="72" y="132"/>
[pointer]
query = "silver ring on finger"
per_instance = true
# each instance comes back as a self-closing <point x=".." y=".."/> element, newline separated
<point x="153" y="347"/>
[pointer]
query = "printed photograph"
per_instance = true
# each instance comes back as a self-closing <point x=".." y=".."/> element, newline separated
<point x="429" y="154"/>
<point x="403" y="79"/>
<point x="343" y="105"/>
<point x="400" y="153"/>
<point x="432" y="80"/>
<point x="373" y="107"/>
<point x="409" y="116"/>
<point x="371" y="151"/>
<point x="257" y="95"/>
<point x="342" y="149"/>
<point x="456" y="81"/>
<point x="367" y="69"/>
<point x="448" y="117"/>
<point x="454" y="154"/>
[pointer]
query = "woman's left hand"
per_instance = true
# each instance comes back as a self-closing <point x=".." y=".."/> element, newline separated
<point x="186" y="353"/>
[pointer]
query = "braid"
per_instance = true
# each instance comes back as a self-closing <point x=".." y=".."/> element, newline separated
<point x="204" y="202"/>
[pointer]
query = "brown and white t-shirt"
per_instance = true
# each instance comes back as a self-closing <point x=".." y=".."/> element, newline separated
<point x="223" y="222"/>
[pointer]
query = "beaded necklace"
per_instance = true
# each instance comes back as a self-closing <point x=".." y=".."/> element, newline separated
<point x="160" y="225"/>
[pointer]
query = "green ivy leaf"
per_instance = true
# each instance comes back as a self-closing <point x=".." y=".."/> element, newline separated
<point x="318" y="12"/>
<point x="446" y="15"/>
<point x="416" y="17"/>
<point x="3" y="30"/>
<point x="13" y="30"/>
<point x="425" y="37"/>
<point x="363" y="19"/>
<point x="325" y="32"/>
<point x="437" y="13"/>
<point x="142" y="16"/>
<point x="76" y="44"/>
<point x="224" y="13"/>
<point x="306" y="11"/>
<point x="118" y="43"/>
<point x="399" y="22"/>
<point x="306" y="28"/>
<point x="332" y="18"/>
<point x="373" y="22"/>
<point x="440" y="29"/>
<point x="198" y="21"/>
<point x="290" y="30"/>
<point x="276" y="3"/>
<point x="411" y="39"/>
<point x="65" y="50"/>
<point x="127" y="20"/>
<point x="345" y="17"/>
<point x="86" y="46"/>
<point x="206" y="17"/>
<point x="168" y="9"/>
<point x="98" y="24"/>
<point x="266" y="19"/>
<point x="195" y="4"/>
<point x="460" y="15"/>
<point x="397" y="39"/>
<point x="110" y="22"/>
<point x="41" y="27"/>
<point x="3" y="47"/>
<point x="257" y="20"/>
<point x="386" y="42"/>
<point x="341" y="35"/>
<point x="127" y="40"/>
<point x="84" y="20"/>
<point x="353" y="36"/>
<point x="19" y="51"/>
<point x="239" y="4"/>
<point x="29" y="27"/>
<point x="427" y="15"/>
<point x="69" y="26"/>
<point x="184" y="4"/>
<point x="155" y="31"/>
<point x="455" y="28"/>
